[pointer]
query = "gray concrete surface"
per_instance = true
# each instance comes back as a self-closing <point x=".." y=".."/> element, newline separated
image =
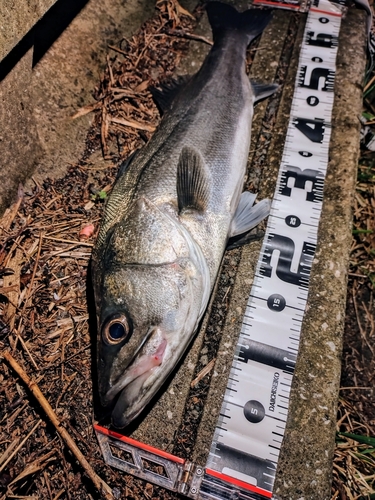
<point x="20" y="149"/>
<point x="17" y="17"/>
<point x="43" y="90"/>
<point x="305" y="466"/>
<point x="264" y="68"/>
<point x="170" y="407"/>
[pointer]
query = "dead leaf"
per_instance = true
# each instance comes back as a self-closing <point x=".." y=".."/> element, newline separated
<point x="142" y="86"/>
<point x="183" y="11"/>
<point x="86" y="109"/>
<point x="134" y="124"/>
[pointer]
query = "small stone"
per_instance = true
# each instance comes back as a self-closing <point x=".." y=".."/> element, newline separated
<point x="195" y="414"/>
<point x="116" y="492"/>
<point x="331" y="345"/>
<point x="203" y="360"/>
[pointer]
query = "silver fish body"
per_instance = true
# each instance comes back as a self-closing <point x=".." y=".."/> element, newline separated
<point x="169" y="217"/>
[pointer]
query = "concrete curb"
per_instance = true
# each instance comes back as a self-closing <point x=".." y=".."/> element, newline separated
<point x="40" y="91"/>
<point x="305" y="465"/>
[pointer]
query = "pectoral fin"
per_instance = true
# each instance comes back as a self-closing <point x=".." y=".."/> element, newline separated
<point x="247" y="214"/>
<point x="263" y="90"/>
<point x="193" y="182"/>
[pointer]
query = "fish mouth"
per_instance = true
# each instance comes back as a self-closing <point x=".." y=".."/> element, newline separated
<point x="128" y="387"/>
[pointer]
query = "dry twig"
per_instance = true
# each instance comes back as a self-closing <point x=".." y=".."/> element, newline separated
<point x="205" y="371"/>
<point x="99" y="484"/>
<point x="16" y="450"/>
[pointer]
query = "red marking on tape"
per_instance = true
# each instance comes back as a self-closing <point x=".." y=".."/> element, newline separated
<point x="329" y="13"/>
<point x="138" y="444"/>
<point x="238" y="482"/>
<point x="277" y="4"/>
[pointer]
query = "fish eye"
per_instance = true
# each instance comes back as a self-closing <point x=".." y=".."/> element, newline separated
<point x="116" y="330"/>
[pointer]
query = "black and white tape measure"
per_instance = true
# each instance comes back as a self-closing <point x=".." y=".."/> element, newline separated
<point x="249" y="433"/>
<point x="253" y="415"/>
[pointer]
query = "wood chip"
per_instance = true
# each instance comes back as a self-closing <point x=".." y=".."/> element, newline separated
<point x="205" y="371"/>
<point x="133" y="124"/>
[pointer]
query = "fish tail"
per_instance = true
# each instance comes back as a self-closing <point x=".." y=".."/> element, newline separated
<point x="224" y="18"/>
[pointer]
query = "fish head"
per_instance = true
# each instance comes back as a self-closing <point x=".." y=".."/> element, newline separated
<point x="149" y="304"/>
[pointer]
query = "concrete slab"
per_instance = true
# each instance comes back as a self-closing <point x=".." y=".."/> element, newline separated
<point x="17" y="19"/>
<point x="170" y="407"/>
<point x="305" y="465"/>
<point x="42" y="88"/>
<point x="20" y="150"/>
<point x="268" y="56"/>
<point x="78" y="57"/>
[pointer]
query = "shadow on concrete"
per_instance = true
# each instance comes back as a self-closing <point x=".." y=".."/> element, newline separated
<point x="43" y="34"/>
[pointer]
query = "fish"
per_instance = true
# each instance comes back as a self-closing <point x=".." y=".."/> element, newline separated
<point x="175" y="204"/>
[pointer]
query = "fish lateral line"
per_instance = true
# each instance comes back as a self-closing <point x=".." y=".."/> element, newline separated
<point x="174" y="263"/>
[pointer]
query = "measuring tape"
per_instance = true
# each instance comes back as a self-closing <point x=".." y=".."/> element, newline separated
<point x="249" y="433"/>
<point x="253" y="416"/>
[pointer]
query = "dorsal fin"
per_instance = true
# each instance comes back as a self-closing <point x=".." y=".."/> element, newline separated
<point x="165" y="93"/>
<point x="125" y="164"/>
<point x="193" y="183"/>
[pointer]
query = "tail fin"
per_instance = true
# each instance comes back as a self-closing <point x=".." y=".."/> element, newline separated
<point x="224" y="18"/>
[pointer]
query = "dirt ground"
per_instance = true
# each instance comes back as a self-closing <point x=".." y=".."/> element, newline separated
<point x="45" y="247"/>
